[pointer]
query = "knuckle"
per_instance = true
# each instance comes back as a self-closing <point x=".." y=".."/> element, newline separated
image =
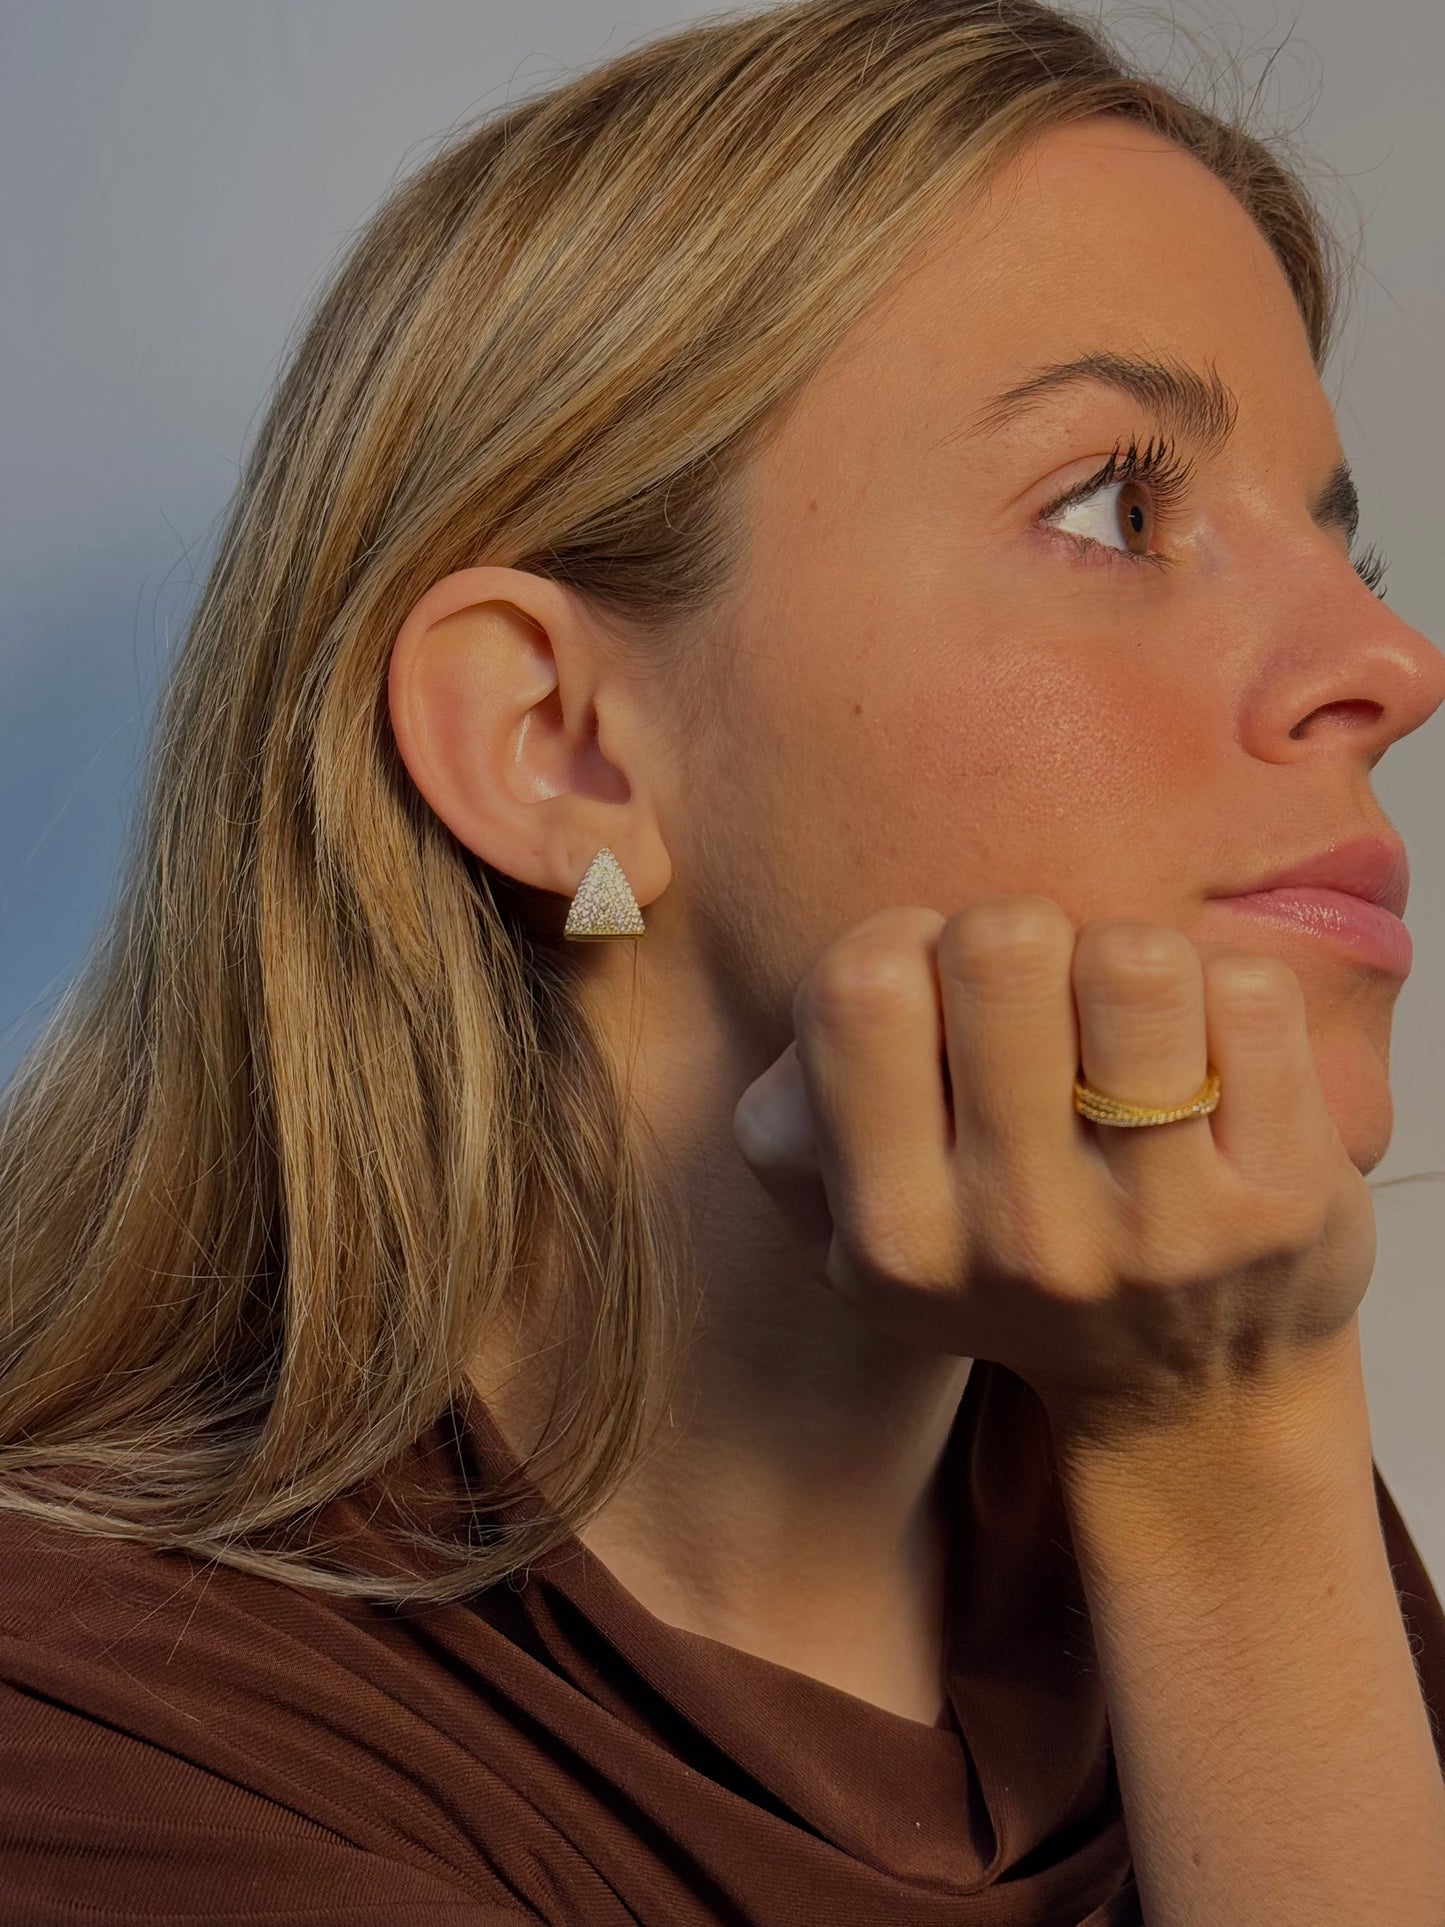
<point x="1115" y="955"/>
<point x="862" y="979"/>
<point x="1235" y="1230"/>
<point x="1005" y="934"/>
<point x="1165" y="1253"/>
<point x="898" y="1246"/>
<point x="1288" y="1220"/>
<point x="1033" y="1243"/>
<point x="878" y="968"/>
<point x="1245" y="980"/>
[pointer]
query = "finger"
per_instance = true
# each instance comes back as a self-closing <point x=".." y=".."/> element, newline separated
<point x="1276" y="1125"/>
<point x="1139" y="990"/>
<point x="869" y="1045"/>
<point x="1012" y="1038"/>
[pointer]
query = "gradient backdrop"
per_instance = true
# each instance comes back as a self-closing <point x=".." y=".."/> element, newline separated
<point x="176" y="177"/>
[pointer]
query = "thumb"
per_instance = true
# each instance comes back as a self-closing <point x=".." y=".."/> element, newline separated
<point x="772" y="1124"/>
<point x="773" y="1128"/>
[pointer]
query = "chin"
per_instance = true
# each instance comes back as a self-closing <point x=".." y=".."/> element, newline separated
<point x="1365" y="1154"/>
<point x="1356" y="1085"/>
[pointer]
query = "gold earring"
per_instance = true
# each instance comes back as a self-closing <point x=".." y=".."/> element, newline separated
<point x="604" y="905"/>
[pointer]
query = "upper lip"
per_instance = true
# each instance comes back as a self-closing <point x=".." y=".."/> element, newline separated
<point x="1371" y="867"/>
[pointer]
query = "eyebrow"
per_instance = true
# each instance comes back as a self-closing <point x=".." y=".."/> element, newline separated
<point x="1202" y="409"/>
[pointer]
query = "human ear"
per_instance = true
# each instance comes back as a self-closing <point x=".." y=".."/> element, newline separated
<point x="520" y="732"/>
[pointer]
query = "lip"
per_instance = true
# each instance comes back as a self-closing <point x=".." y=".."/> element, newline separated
<point x="1368" y="932"/>
<point x="1369" y="867"/>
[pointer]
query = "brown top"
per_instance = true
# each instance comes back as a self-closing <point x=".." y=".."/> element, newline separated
<point x="186" y="1743"/>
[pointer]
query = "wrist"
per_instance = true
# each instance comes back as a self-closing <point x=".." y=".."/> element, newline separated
<point x="1303" y="1423"/>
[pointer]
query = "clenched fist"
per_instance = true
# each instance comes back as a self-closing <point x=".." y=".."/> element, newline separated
<point x="919" y="1137"/>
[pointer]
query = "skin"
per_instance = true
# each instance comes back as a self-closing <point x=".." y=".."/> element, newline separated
<point x="932" y="696"/>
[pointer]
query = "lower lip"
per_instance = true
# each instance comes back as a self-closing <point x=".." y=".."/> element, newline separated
<point x="1365" y="930"/>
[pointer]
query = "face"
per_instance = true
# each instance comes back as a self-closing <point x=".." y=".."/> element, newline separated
<point x="942" y="686"/>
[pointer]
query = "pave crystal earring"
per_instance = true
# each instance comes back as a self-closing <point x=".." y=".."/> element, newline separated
<point x="604" y="905"/>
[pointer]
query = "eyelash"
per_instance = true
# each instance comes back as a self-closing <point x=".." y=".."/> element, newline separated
<point x="1158" y="464"/>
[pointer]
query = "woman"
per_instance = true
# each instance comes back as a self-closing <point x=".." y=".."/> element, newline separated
<point x="847" y="491"/>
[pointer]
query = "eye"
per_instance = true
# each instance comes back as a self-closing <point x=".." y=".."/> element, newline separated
<point x="1118" y="509"/>
<point x="1115" y="515"/>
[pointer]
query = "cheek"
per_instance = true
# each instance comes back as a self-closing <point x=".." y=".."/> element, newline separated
<point x="1003" y="767"/>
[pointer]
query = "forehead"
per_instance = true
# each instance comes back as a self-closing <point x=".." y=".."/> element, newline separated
<point x="1098" y="237"/>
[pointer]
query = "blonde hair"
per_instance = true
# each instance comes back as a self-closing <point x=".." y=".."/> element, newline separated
<point x="323" y="1090"/>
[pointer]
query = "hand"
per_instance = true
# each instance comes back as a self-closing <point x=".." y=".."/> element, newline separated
<point x="919" y="1137"/>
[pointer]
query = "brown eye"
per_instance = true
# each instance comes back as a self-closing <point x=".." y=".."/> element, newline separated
<point x="1119" y="514"/>
<point x="1136" y="517"/>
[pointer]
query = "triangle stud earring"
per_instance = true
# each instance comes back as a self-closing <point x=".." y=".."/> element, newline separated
<point x="604" y="905"/>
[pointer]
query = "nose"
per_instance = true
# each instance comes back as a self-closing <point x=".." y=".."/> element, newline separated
<point x="1350" y="673"/>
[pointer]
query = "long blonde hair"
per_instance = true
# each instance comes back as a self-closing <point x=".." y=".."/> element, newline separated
<point x="324" y="1089"/>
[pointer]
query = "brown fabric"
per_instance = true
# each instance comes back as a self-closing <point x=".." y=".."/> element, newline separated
<point x="186" y="1743"/>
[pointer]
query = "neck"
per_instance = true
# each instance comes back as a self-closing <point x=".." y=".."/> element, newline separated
<point x="791" y="1505"/>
